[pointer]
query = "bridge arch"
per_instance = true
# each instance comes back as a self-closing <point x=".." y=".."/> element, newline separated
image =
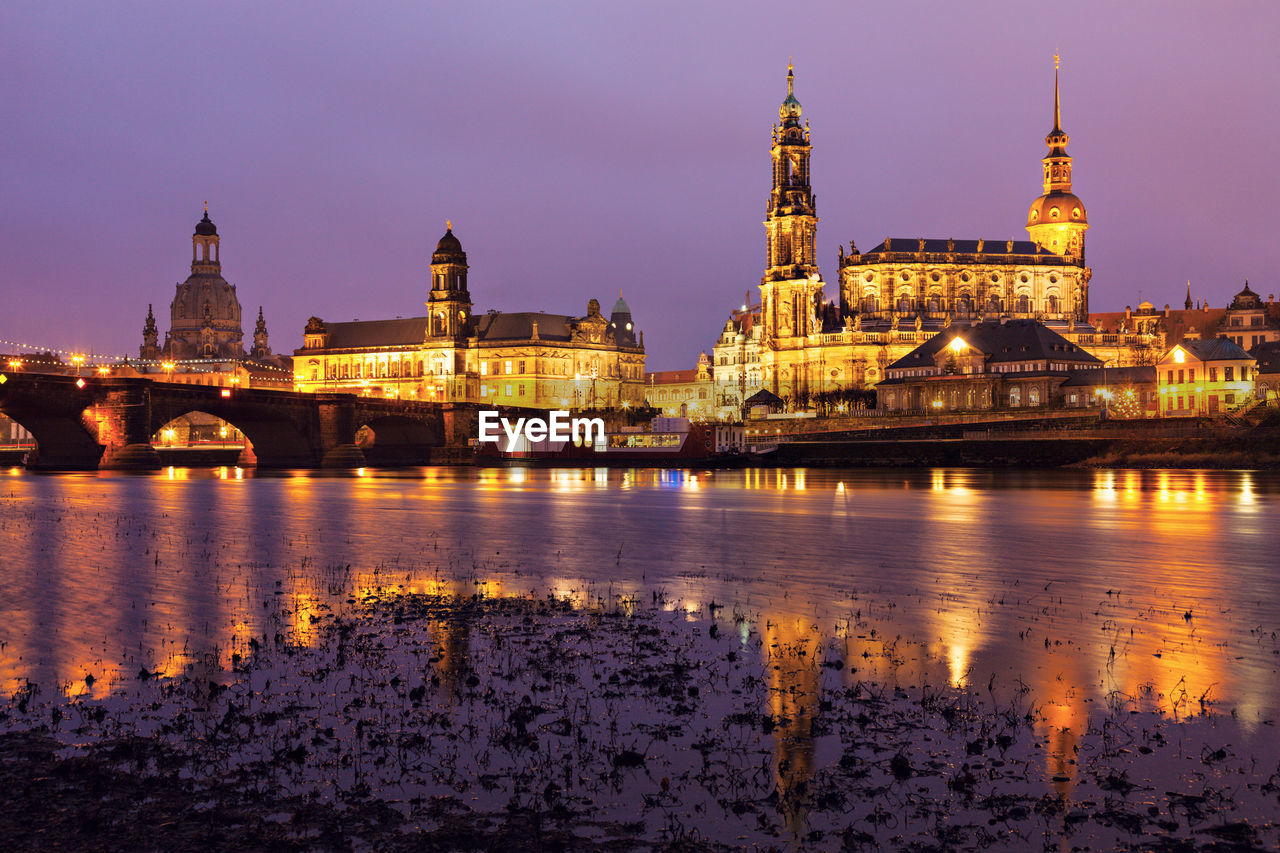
<point x="272" y="440"/>
<point x="63" y="441"/>
<point x="392" y="439"/>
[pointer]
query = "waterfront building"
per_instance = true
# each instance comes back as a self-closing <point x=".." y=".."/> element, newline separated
<point x="901" y="293"/>
<point x="1205" y="377"/>
<point x="529" y="359"/>
<point x="1015" y="364"/>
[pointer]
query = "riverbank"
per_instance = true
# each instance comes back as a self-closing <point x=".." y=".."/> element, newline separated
<point x="438" y="722"/>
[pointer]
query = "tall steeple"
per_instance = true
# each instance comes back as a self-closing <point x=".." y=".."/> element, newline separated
<point x="791" y="286"/>
<point x="1057" y="219"/>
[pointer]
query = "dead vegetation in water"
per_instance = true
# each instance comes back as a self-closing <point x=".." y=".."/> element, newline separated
<point x="436" y="722"/>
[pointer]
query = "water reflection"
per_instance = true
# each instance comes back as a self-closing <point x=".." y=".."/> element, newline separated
<point x="1087" y="588"/>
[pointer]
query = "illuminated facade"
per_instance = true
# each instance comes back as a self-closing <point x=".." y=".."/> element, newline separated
<point x="1205" y="377"/>
<point x="452" y="355"/>
<point x="686" y="393"/>
<point x="897" y="296"/>
<point x="1011" y="365"/>
<point x="1248" y="320"/>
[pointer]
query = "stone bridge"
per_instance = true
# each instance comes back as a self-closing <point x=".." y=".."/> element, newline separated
<point x="107" y="423"/>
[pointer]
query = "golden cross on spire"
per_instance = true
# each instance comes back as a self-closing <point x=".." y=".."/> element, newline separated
<point x="206" y="207"/>
<point x="448" y="225"/>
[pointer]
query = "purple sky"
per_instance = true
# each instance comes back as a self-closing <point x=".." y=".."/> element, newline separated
<point x="585" y="148"/>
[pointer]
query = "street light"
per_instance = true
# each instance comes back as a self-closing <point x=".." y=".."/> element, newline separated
<point x="15" y="364"/>
<point x="168" y="368"/>
<point x="77" y="360"/>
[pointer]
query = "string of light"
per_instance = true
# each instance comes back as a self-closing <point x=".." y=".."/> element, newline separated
<point x="93" y="359"/>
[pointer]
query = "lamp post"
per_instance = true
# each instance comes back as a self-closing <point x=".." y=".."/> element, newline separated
<point x="77" y="360"/>
<point x="168" y="369"/>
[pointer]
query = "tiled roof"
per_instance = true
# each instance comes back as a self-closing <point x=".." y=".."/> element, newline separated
<point x="1216" y="349"/>
<point x="1012" y="340"/>
<point x="1268" y="356"/>
<point x="518" y="326"/>
<point x="364" y="334"/>
<point x="671" y="377"/>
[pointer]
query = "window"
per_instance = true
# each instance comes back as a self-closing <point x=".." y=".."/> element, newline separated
<point x="1170" y="382"/>
<point x="1191" y="375"/>
<point x="508" y="368"/>
<point x="484" y="368"/>
<point x="1015" y="397"/>
<point x="522" y="368"/>
<point x="484" y="390"/>
<point x="520" y="389"/>
<point x="1181" y="373"/>
<point x="1228" y="373"/>
<point x="508" y="387"/>
<point x="1213" y="374"/>
<point x="1033" y="397"/>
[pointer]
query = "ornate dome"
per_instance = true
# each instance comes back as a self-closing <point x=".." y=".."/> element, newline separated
<point x="621" y="306"/>
<point x="449" y="248"/>
<point x="199" y="291"/>
<point x="1057" y="206"/>
<point x="205" y="227"/>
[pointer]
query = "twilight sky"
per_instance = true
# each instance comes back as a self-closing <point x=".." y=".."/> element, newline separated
<point x="585" y="148"/>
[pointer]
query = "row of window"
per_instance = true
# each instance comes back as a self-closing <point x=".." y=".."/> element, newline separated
<point x="964" y="304"/>
<point x="1189" y="375"/>
<point x="558" y="367"/>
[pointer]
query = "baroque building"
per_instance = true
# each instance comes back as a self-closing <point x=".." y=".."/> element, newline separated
<point x="902" y="292"/>
<point x="205" y="341"/>
<point x="529" y="359"/>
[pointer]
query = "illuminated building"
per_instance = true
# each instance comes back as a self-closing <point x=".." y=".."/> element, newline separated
<point x="1248" y="320"/>
<point x="204" y="344"/>
<point x="1015" y="364"/>
<point x="1205" y="377"/>
<point x="454" y="355"/>
<point x="898" y="295"/>
<point x="685" y="393"/>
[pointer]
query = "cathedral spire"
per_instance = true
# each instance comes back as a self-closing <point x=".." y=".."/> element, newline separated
<point x="1057" y="219"/>
<point x="1057" y="103"/>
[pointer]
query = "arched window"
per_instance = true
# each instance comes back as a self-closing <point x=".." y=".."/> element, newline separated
<point x="1051" y="302"/>
<point x="1015" y="396"/>
<point x="1024" y="304"/>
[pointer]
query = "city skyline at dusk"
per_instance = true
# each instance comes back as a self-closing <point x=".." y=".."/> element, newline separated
<point x="583" y="151"/>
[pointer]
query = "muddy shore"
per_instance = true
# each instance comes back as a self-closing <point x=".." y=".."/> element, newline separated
<point x="416" y="721"/>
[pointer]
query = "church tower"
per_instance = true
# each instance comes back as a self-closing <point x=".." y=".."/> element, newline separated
<point x="204" y="317"/>
<point x="261" y="349"/>
<point x="1057" y="219"/>
<point x="791" y="287"/>
<point x="150" y="338"/>
<point x="449" y="303"/>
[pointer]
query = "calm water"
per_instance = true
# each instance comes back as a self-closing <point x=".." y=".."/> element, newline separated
<point x="1160" y="586"/>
